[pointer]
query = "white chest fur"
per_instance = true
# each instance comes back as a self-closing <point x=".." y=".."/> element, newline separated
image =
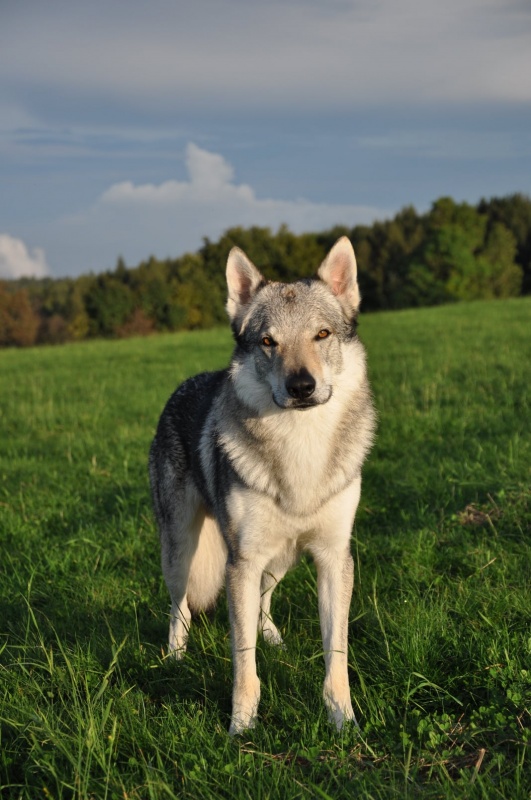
<point x="290" y="457"/>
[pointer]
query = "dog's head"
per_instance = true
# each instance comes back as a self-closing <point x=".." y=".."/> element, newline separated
<point x="291" y="336"/>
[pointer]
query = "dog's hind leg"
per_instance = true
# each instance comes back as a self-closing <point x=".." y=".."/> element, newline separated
<point x="176" y="568"/>
<point x="266" y="626"/>
<point x="194" y="573"/>
<point x="180" y="618"/>
<point x="272" y="575"/>
<point x="180" y="527"/>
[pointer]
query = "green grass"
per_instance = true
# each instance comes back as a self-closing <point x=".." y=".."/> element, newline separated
<point x="440" y="634"/>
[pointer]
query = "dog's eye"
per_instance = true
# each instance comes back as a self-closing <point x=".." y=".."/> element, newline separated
<point x="323" y="334"/>
<point x="267" y="341"/>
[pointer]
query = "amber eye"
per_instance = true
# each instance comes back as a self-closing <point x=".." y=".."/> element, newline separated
<point x="323" y="334"/>
<point x="267" y="341"/>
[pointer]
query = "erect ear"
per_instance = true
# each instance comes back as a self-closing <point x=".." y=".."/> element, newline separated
<point x="339" y="272"/>
<point x="243" y="279"/>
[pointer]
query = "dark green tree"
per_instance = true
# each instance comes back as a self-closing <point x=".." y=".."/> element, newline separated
<point x="108" y="303"/>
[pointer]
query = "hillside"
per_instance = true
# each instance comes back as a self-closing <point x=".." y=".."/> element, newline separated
<point x="439" y="626"/>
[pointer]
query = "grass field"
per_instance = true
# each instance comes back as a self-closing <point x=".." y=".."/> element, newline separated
<point x="440" y="633"/>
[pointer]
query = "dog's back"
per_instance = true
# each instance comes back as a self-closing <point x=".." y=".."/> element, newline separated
<point x="174" y="453"/>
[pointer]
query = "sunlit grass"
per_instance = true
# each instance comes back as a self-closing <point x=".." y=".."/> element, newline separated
<point x="440" y="638"/>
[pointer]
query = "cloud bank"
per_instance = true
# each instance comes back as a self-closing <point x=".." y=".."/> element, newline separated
<point x="16" y="261"/>
<point x="283" y="54"/>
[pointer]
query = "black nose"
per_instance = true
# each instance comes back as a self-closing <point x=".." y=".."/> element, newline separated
<point x="300" y="385"/>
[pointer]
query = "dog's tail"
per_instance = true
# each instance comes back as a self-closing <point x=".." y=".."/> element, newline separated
<point x="207" y="570"/>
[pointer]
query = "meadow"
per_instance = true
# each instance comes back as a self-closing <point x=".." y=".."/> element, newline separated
<point x="440" y="626"/>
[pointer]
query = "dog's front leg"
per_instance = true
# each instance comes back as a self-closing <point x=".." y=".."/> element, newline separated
<point x="243" y="591"/>
<point x="335" y="579"/>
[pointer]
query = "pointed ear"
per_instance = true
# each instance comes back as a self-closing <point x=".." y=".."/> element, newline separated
<point x="243" y="279"/>
<point x="339" y="272"/>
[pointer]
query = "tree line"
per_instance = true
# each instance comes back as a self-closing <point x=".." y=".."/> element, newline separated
<point x="455" y="251"/>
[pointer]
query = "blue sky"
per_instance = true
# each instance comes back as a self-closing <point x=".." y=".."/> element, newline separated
<point x="134" y="128"/>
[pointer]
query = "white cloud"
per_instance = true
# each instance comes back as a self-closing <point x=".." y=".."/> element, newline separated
<point x="211" y="187"/>
<point x="210" y="183"/>
<point x="173" y="217"/>
<point x="16" y="261"/>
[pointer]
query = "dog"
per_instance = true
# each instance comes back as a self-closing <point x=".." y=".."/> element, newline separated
<point x="257" y="463"/>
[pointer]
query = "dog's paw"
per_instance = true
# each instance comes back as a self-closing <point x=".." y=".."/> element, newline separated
<point x="245" y="699"/>
<point x="340" y="711"/>
<point x="342" y="720"/>
<point x="176" y="652"/>
<point x="240" y="725"/>
<point x="272" y="636"/>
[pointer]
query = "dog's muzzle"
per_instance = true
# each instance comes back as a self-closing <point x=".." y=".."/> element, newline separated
<point x="300" y="390"/>
<point x="300" y="385"/>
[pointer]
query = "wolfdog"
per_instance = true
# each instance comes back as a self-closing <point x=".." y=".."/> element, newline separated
<point x="255" y="464"/>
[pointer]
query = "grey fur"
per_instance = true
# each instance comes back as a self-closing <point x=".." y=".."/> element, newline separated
<point x="254" y="464"/>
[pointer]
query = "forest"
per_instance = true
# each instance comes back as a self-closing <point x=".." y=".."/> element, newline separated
<point x="455" y="251"/>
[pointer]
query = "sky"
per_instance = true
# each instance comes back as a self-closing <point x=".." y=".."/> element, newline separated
<point x="131" y="128"/>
